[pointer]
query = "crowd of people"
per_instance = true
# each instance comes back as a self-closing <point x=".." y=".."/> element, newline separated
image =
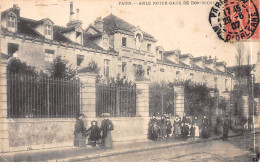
<point x="94" y="133"/>
<point x="182" y="128"/>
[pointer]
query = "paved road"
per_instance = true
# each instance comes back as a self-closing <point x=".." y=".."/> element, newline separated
<point x="235" y="149"/>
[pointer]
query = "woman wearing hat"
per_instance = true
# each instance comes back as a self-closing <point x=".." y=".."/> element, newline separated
<point x="79" y="132"/>
<point x="106" y="128"/>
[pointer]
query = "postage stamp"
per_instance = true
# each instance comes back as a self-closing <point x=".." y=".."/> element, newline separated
<point x="235" y="20"/>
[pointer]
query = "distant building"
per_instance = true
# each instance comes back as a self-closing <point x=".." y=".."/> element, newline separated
<point x="117" y="46"/>
<point x="247" y="81"/>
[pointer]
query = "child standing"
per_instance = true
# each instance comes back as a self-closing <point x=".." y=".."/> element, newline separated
<point x="94" y="133"/>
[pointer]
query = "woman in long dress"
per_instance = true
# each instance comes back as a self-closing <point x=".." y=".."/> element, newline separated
<point x="79" y="132"/>
<point x="177" y="130"/>
<point x="106" y="128"/>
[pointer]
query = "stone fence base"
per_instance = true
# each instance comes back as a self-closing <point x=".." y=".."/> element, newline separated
<point x="28" y="134"/>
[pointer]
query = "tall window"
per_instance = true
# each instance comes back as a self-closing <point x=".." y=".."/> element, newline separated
<point x="80" y="58"/>
<point x="215" y="82"/>
<point x="124" y="67"/>
<point x="11" y="22"/>
<point x="49" y="55"/>
<point x="177" y="73"/>
<point x="105" y="42"/>
<point x="48" y="30"/>
<point x="13" y="50"/>
<point x="106" y="67"/>
<point x="161" y="54"/>
<point x="191" y="75"/>
<point x="148" y="47"/>
<point x="226" y="80"/>
<point x="123" y="41"/>
<point x="138" y="39"/>
<point x="148" y="70"/>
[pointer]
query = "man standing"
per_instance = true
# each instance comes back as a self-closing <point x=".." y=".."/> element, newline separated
<point x="205" y="128"/>
<point x="225" y="128"/>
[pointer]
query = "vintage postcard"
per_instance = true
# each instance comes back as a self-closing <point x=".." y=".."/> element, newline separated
<point x="130" y="81"/>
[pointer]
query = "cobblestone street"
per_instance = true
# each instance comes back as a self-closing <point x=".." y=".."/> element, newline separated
<point x="235" y="149"/>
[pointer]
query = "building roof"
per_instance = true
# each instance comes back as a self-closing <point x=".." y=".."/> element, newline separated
<point x="198" y="58"/>
<point x="185" y="55"/>
<point x="241" y="71"/>
<point x="209" y="61"/>
<point x="167" y="53"/>
<point x="26" y="26"/>
<point x="112" y="23"/>
<point x="220" y="63"/>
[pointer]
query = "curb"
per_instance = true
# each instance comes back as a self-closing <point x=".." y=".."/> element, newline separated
<point x="127" y="151"/>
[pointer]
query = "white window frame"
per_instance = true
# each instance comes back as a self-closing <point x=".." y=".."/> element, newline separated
<point x="106" y="67"/>
<point x="49" y="56"/>
<point x="124" y="67"/>
<point x="11" y="21"/>
<point x="47" y="30"/>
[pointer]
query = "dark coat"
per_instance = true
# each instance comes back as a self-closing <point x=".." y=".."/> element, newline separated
<point x="192" y="131"/>
<point x="205" y="122"/>
<point x="106" y="126"/>
<point x="153" y="130"/>
<point x="168" y="127"/>
<point x="94" y="133"/>
<point x="79" y="127"/>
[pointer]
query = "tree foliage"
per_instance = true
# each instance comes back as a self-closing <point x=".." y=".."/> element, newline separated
<point x="161" y="99"/>
<point x="61" y="69"/>
<point x="139" y="73"/>
<point x="16" y="66"/>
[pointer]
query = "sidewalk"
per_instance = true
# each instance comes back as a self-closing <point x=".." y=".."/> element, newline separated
<point x="70" y="154"/>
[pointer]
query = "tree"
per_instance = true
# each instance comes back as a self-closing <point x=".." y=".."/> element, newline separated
<point x="60" y="69"/>
<point x="16" y="66"/>
<point x="139" y="73"/>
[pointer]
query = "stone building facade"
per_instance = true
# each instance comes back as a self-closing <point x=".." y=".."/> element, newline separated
<point x="117" y="46"/>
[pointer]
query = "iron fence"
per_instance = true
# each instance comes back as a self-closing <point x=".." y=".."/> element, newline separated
<point x="42" y="97"/>
<point x="161" y="100"/>
<point x="118" y="100"/>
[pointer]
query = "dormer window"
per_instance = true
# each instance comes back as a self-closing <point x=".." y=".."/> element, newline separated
<point x="138" y="40"/>
<point x="161" y="54"/>
<point x="138" y="37"/>
<point x="78" y="37"/>
<point x="48" y="30"/>
<point x="11" y="22"/>
<point x="149" y="48"/>
<point x="124" y="41"/>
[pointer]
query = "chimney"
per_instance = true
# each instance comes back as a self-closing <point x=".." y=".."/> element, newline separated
<point x="16" y="9"/>
<point x="99" y="23"/>
<point x="74" y="21"/>
<point x="71" y="11"/>
<point x="77" y="14"/>
<point x="71" y="8"/>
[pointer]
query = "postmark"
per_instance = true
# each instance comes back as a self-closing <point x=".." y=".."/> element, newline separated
<point x="235" y="20"/>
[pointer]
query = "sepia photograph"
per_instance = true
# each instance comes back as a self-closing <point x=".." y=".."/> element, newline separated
<point x="130" y="81"/>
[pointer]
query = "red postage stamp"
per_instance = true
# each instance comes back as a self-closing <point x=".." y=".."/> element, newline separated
<point x="235" y="20"/>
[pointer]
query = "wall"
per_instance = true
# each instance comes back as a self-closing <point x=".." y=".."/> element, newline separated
<point x="34" y="53"/>
<point x="27" y="134"/>
<point x="130" y="42"/>
<point x="127" y="128"/>
<point x="40" y="133"/>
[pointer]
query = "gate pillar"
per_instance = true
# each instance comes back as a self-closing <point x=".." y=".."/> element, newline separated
<point x="4" y="132"/>
<point x="88" y="94"/>
<point x="179" y="100"/>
